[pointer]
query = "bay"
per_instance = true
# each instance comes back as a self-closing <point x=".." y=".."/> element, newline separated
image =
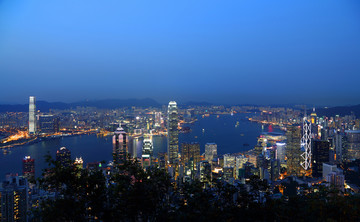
<point x="232" y="134"/>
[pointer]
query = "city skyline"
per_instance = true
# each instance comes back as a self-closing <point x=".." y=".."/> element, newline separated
<point x="233" y="53"/>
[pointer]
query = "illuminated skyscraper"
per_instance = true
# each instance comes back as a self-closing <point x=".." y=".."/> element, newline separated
<point x="28" y="167"/>
<point x="120" y="145"/>
<point x="79" y="162"/>
<point x="32" y="115"/>
<point x="293" y="150"/>
<point x="63" y="155"/>
<point x="313" y="117"/>
<point x="147" y="152"/>
<point x="173" y="133"/>
<point x="190" y="155"/>
<point x="210" y="152"/>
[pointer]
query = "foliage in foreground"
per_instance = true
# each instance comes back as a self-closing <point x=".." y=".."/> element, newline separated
<point x="132" y="194"/>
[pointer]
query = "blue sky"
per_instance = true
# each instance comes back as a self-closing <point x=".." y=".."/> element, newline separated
<point x="232" y="52"/>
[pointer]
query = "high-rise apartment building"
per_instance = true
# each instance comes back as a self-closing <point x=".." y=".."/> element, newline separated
<point x="14" y="199"/>
<point x="173" y="133"/>
<point x="32" y="115"/>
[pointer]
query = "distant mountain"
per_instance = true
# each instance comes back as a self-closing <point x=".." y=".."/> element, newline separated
<point x="338" y="110"/>
<point x="118" y="103"/>
<point x="193" y="103"/>
<point x="102" y="104"/>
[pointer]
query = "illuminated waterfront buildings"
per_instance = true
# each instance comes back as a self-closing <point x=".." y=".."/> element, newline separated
<point x="32" y="115"/>
<point x="173" y="133"/>
<point x="48" y="124"/>
<point x="28" y="167"/>
<point x="120" y="145"/>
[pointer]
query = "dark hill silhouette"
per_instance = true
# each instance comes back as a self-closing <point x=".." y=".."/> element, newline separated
<point x="104" y="104"/>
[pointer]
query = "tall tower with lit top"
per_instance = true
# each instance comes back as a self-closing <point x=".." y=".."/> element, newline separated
<point x="173" y="133"/>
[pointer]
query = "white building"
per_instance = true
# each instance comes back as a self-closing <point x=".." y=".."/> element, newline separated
<point x="32" y="115"/>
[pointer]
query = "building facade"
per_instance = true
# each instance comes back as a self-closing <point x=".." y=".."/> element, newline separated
<point x="173" y="133"/>
<point x="32" y="115"/>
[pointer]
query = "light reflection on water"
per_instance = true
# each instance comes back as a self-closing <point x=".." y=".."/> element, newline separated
<point x="223" y="131"/>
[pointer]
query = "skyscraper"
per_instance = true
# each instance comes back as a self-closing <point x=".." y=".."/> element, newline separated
<point x="173" y="133"/>
<point x="28" y="167"/>
<point x="210" y="152"/>
<point x="120" y="145"/>
<point x="293" y="150"/>
<point x="63" y="155"/>
<point x="320" y="155"/>
<point x="352" y="146"/>
<point x="190" y="155"/>
<point x="147" y="152"/>
<point x="32" y="115"/>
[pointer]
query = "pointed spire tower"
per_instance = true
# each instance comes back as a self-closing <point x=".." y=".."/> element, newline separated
<point x="306" y="143"/>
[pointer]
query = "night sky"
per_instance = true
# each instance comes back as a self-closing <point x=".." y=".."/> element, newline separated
<point x="230" y="51"/>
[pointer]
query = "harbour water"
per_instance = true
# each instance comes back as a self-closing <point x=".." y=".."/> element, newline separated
<point x="232" y="134"/>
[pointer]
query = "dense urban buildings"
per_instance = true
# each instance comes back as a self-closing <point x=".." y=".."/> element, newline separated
<point x="274" y="157"/>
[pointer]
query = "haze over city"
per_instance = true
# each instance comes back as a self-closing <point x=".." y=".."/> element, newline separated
<point x="236" y="52"/>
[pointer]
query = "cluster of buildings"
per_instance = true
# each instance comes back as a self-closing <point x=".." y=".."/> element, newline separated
<point x="314" y="150"/>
